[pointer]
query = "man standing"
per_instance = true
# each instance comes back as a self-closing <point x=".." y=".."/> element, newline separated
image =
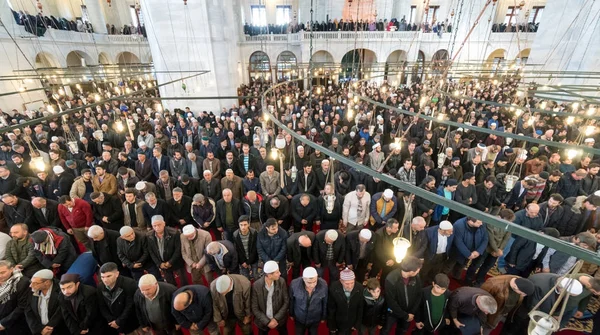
<point x="231" y="303"/>
<point x="304" y="211"/>
<point x="360" y="253"/>
<point x="270" y="301"/>
<point x="107" y="210"/>
<point x="433" y="315"/>
<point x="132" y="249"/>
<point x="115" y="296"/>
<point x="43" y="314"/>
<point x="164" y="246"/>
<point x="245" y="245"/>
<point x="53" y="249"/>
<point x="45" y="212"/>
<point x="180" y="206"/>
<point x="193" y="309"/>
<point x="104" y="245"/>
<point x="329" y="253"/>
<point x="271" y="244"/>
<point x="193" y="245"/>
<point x="103" y="181"/>
<point x="79" y="305"/>
<point x="308" y="302"/>
<point x="403" y="295"/>
<point x="439" y="243"/>
<point x="76" y="216"/>
<point x="470" y="241"/>
<point x="384" y="248"/>
<point x="355" y="213"/>
<point x="299" y="251"/>
<point x="469" y="307"/>
<point x="17" y="210"/>
<point x="383" y="208"/>
<point x="270" y="182"/>
<point x="222" y="257"/>
<point x="345" y="304"/>
<point x="228" y="211"/>
<point x="13" y="300"/>
<point x="132" y="210"/>
<point x="153" y="306"/>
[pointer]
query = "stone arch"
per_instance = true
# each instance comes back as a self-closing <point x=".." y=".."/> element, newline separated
<point x="77" y="58"/>
<point x="104" y="59"/>
<point x="259" y="66"/>
<point x="358" y="63"/>
<point x="495" y="59"/>
<point x="127" y="58"/>
<point x="395" y="66"/>
<point x="45" y="60"/>
<point x="287" y="65"/>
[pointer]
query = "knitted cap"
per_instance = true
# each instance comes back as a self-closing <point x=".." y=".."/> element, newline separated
<point x="347" y="274"/>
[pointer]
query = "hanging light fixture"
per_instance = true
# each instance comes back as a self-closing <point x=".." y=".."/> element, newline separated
<point x="401" y="246"/>
<point x="39" y="6"/>
<point x="109" y="3"/>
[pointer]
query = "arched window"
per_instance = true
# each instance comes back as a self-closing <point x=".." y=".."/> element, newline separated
<point x="260" y="66"/>
<point x="287" y="66"/>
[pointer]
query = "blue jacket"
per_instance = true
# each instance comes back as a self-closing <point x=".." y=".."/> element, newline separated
<point x="164" y="165"/>
<point x="523" y="220"/>
<point x="271" y="248"/>
<point x="515" y="198"/>
<point x="468" y="239"/>
<point x="307" y="311"/>
<point x="432" y="241"/>
<point x="437" y="212"/>
<point x="200" y="311"/>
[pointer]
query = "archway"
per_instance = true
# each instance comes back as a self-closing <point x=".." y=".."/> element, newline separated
<point x="260" y="66"/>
<point x="287" y="66"/>
<point x="417" y="74"/>
<point x="358" y="63"/>
<point x="45" y="60"/>
<point x="395" y="66"/>
<point x="439" y="61"/>
<point x="78" y="58"/>
<point x="127" y="58"/>
<point x="495" y="59"/>
<point x="522" y="57"/>
<point x="103" y="59"/>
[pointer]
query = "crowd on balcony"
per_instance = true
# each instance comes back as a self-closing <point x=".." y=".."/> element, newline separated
<point x="530" y="27"/>
<point x="350" y="25"/>
<point x="170" y="201"/>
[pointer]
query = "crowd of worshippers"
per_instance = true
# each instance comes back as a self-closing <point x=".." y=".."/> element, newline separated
<point x="348" y="25"/>
<point x="195" y="196"/>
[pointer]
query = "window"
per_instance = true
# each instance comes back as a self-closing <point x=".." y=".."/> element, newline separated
<point x="134" y="17"/>
<point x="283" y="14"/>
<point x="536" y="14"/>
<point x="511" y="15"/>
<point x="432" y="14"/>
<point x="413" y="14"/>
<point x="259" y="15"/>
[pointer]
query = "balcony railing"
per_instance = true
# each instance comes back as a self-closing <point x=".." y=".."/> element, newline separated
<point x="334" y="35"/>
<point x="77" y="37"/>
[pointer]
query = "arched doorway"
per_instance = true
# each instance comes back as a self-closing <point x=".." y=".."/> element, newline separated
<point x="439" y="61"/>
<point x="127" y="58"/>
<point x="522" y="57"/>
<point x="287" y="66"/>
<point x="78" y="58"/>
<point x="496" y="59"/>
<point x="358" y="63"/>
<point x="45" y="60"/>
<point x="260" y="66"/>
<point x="395" y="67"/>
<point x="103" y="59"/>
<point x="417" y="74"/>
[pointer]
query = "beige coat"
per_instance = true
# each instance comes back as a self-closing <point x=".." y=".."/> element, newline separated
<point x="236" y="186"/>
<point x="241" y="299"/>
<point x="139" y="215"/>
<point x="198" y="246"/>
<point x="77" y="189"/>
<point x="108" y="185"/>
<point x="270" y="185"/>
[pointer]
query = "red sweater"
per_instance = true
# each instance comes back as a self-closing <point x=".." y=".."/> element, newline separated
<point x="81" y="216"/>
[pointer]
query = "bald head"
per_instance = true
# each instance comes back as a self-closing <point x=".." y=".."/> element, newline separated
<point x="304" y="241"/>
<point x="182" y="300"/>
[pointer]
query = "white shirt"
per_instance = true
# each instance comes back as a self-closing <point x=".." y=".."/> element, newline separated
<point x="43" y="301"/>
<point x="442" y="244"/>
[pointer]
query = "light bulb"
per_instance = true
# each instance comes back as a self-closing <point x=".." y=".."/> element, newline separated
<point x="274" y="153"/>
<point x="543" y="105"/>
<point x="441" y="117"/>
<point x="287" y="100"/>
<point x="570" y="120"/>
<point x="61" y="91"/>
<point x="350" y="114"/>
<point x="266" y="117"/>
<point x="591" y="111"/>
<point x="572" y="153"/>
<point x="575" y="106"/>
<point x="518" y="112"/>
<point x="120" y="126"/>
<point x="355" y="99"/>
<point x="97" y="97"/>
<point x="589" y="130"/>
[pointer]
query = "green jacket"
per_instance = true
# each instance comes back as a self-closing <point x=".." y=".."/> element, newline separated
<point x="21" y="252"/>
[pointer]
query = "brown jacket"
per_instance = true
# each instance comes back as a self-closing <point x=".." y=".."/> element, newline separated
<point x="197" y="245"/>
<point x="499" y="287"/>
<point x="139" y="215"/>
<point x="108" y="185"/>
<point x="259" y="302"/>
<point x="241" y="299"/>
<point x="235" y="186"/>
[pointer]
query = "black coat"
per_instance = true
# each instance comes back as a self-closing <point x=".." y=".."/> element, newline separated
<point x="252" y="249"/>
<point x="200" y="311"/>
<point x="571" y="221"/>
<point x="12" y="312"/>
<point x="320" y="248"/>
<point x="21" y="213"/>
<point x="484" y="200"/>
<point x="9" y="185"/>
<point x="133" y="252"/>
<point x="144" y="173"/>
<point x="521" y="254"/>
<point x="106" y="250"/>
<point x="220" y="215"/>
<point x="554" y="219"/>
<point x="164" y="296"/>
<point x="51" y="219"/>
<point x="65" y="253"/>
<point x="180" y="211"/>
<point x="112" y="209"/>
<point x="86" y="316"/>
<point x="299" y="212"/>
<point x="402" y="299"/>
<point x="161" y="209"/>
<point x="294" y="253"/>
<point x="55" y="318"/>
<point x="171" y="248"/>
<point x="211" y="189"/>
<point x="353" y="248"/>
<point x="310" y="181"/>
<point x="342" y="313"/>
<point x="230" y="260"/>
<point x="424" y="312"/>
<point x="121" y="309"/>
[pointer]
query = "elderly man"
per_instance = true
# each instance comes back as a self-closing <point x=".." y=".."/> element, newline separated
<point x="270" y="182"/>
<point x="308" y="302"/>
<point x="164" y="246"/>
<point x="384" y="248"/>
<point x="104" y="245"/>
<point x="271" y="244"/>
<point x="233" y="183"/>
<point x="79" y="305"/>
<point x="203" y="213"/>
<point x="278" y="207"/>
<point x="210" y="186"/>
<point x="20" y="251"/>
<point x="360" y="252"/>
<point x="165" y="185"/>
<point x="383" y="207"/>
<point x="228" y="211"/>
<point x="18" y="210"/>
<point x="469" y="308"/>
<point x="345" y="304"/>
<point x="154" y="206"/>
<point x="115" y="303"/>
<point x="132" y="249"/>
<point x="180" y="206"/>
<point x="107" y="210"/>
<point x="193" y="245"/>
<point x="299" y="251"/>
<point x="153" y="306"/>
<point x="45" y="212"/>
<point x="104" y="181"/>
<point x="43" y="313"/>
<point x="329" y="253"/>
<point x="304" y="211"/>
<point x="270" y="300"/>
<point x="53" y="249"/>
<point x="439" y="243"/>
<point x="222" y="257"/>
<point x="415" y="233"/>
<point x="14" y="298"/>
<point x="76" y="216"/>
<point x="355" y="212"/>
<point x="231" y="303"/>
<point x="193" y="309"/>
<point x="253" y="208"/>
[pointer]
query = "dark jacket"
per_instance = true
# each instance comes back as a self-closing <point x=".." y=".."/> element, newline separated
<point x="55" y="318"/>
<point x="305" y="310"/>
<point x="230" y="260"/>
<point x="107" y="248"/>
<point x="424" y="312"/>
<point x="259" y="303"/>
<point x="118" y="306"/>
<point x="344" y="314"/>
<point x="485" y="200"/>
<point x="200" y="311"/>
<point x="112" y="209"/>
<point x="432" y="242"/>
<point x="468" y="239"/>
<point x="180" y="211"/>
<point x="21" y="213"/>
<point x="51" y="219"/>
<point x="544" y="282"/>
<point x="320" y="248"/>
<point x="294" y="251"/>
<point x="309" y="181"/>
<point x="65" y="251"/>
<point x="522" y="252"/>
<point x="211" y="189"/>
<point x="280" y="213"/>
<point x="353" y="249"/>
<point x="374" y="310"/>
<point x="402" y="299"/>
<point x="133" y="252"/>
<point x="522" y="219"/>
<point x="12" y="312"/>
<point x="462" y="301"/>
<point x="384" y="248"/>
<point x="164" y="296"/>
<point x="144" y="172"/>
<point x="220" y="214"/>
<point x="516" y="199"/>
<point x="271" y="248"/>
<point x="171" y="248"/>
<point x="589" y="184"/>
<point x="572" y="219"/>
<point x="299" y="212"/>
<point x="164" y="165"/>
<point x="554" y="219"/>
<point x="418" y="241"/>
<point x="252" y="257"/>
<point x="569" y="187"/>
<point x="86" y="315"/>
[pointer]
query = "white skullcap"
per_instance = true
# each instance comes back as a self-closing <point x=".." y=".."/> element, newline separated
<point x="302" y="108"/>
<point x="297" y="114"/>
<point x="459" y="129"/>
<point x="147" y="279"/>
<point x="352" y="133"/>
<point x="141" y="143"/>
<point x="188" y="229"/>
<point x="223" y="284"/>
<point x="309" y="272"/>
<point x="44" y="274"/>
<point x="54" y="138"/>
<point x="190" y="114"/>
<point x="125" y="230"/>
<point x="157" y="218"/>
<point x="481" y="146"/>
<point x="322" y="123"/>
<point x="332" y="234"/>
<point x="94" y="231"/>
<point x="58" y="169"/>
<point x="388" y="193"/>
<point x="376" y="145"/>
<point x="365" y="233"/>
<point x="379" y="117"/>
<point x="140" y="185"/>
<point x="270" y="267"/>
<point x="573" y="286"/>
<point x="589" y="140"/>
<point x="314" y="130"/>
<point x="446" y="225"/>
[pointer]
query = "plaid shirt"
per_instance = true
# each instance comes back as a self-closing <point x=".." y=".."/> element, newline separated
<point x="535" y="192"/>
